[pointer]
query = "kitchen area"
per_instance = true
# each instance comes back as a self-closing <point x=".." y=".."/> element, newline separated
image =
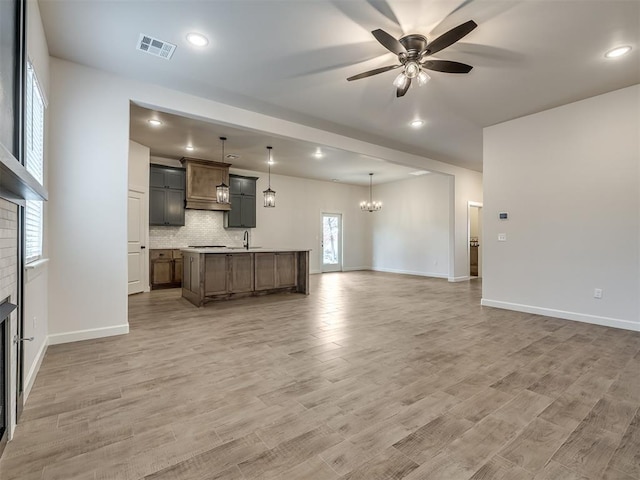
<point x="184" y="204"/>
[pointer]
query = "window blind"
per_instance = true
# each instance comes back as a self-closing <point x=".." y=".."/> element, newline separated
<point x="34" y="149"/>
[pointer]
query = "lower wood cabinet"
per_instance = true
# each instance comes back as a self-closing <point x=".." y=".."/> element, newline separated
<point x="231" y="273"/>
<point x="166" y="268"/>
<point x="286" y="269"/>
<point x="216" y="277"/>
<point x="240" y="272"/>
<point x="275" y="270"/>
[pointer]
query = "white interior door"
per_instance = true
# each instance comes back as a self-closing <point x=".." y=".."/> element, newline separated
<point x="136" y="223"/>
<point x="331" y="242"/>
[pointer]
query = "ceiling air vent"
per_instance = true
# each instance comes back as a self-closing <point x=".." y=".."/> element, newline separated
<point x="155" y="47"/>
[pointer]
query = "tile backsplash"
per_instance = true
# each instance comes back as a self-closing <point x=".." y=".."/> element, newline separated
<point x="202" y="227"/>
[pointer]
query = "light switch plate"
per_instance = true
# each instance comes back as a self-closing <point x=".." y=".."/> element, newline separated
<point x="502" y="237"/>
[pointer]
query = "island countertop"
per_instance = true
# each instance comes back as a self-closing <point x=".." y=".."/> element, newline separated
<point x="243" y="250"/>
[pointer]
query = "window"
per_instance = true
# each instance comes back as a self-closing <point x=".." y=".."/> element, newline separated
<point x="34" y="149"/>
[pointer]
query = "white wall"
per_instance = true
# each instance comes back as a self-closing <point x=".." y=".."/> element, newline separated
<point x="138" y="169"/>
<point x="36" y="305"/>
<point x="569" y="178"/>
<point x="411" y="232"/>
<point x="296" y="221"/>
<point x="89" y="149"/>
<point x="88" y="184"/>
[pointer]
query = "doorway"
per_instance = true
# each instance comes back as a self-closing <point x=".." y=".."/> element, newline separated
<point x="475" y="239"/>
<point x="136" y="249"/>
<point x="331" y="242"/>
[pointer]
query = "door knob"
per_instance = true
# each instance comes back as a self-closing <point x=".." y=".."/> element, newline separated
<point x="26" y="339"/>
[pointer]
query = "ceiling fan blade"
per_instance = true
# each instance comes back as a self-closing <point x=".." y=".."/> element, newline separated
<point x="401" y="91"/>
<point x="447" y="66"/>
<point x="451" y="37"/>
<point x="389" y="42"/>
<point x="373" y="72"/>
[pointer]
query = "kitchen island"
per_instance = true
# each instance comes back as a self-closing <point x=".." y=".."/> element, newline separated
<point x="210" y="274"/>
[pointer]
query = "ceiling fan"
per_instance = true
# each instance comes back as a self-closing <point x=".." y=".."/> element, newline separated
<point x="412" y="50"/>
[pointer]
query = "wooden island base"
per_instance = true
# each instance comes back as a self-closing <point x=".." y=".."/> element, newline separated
<point x="222" y="274"/>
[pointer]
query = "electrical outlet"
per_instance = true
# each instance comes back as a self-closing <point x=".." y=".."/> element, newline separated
<point x="597" y="293"/>
<point x="502" y="237"/>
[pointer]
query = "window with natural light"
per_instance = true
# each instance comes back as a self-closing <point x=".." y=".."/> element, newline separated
<point x="34" y="163"/>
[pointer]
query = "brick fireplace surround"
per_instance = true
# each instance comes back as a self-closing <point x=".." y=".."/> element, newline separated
<point x="9" y="290"/>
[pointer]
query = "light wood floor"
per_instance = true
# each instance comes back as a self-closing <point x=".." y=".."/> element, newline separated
<point x="373" y="376"/>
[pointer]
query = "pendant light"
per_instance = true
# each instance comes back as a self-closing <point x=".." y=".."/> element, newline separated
<point x="222" y="190"/>
<point x="370" y="206"/>
<point x="269" y="195"/>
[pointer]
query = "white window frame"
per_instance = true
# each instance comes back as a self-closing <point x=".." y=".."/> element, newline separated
<point x="35" y="108"/>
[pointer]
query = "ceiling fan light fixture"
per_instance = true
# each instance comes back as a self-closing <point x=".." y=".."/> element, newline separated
<point x="411" y="69"/>
<point x="423" y="78"/>
<point x="401" y="81"/>
<point x="618" y="51"/>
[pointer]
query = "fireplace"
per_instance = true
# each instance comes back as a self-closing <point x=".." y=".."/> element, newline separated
<point x="5" y="314"/>
<point x="9" y="325"/>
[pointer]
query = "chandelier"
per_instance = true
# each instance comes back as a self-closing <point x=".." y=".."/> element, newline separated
<point x="370" y="206"/>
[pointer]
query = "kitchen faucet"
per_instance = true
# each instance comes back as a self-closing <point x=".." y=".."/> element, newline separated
<point x="245" y="243"/>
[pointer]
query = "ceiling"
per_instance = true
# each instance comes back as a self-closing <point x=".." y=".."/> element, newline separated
<point x="290" y="157"/>
<point x="291" y="58"/>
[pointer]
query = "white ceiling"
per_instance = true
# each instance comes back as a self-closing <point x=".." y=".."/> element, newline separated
<point x="290" y="157"/>
<point x="291" y="58"/>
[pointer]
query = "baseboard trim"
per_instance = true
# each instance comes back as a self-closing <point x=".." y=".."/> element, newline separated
<point x="459" y="279"/>
<point x="79" y="335"/>
<point x="574" y="316"/>
<point x="355" y="269"/>
<point x="35" y="368"/>
<point x="410" y="272"/>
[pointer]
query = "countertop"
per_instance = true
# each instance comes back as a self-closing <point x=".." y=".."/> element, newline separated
<point x="243" y="250"/>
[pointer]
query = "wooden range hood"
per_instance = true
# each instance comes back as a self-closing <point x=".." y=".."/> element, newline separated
<point x="202" y="178"/>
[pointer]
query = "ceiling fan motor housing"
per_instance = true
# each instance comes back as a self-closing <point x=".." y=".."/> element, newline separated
<point x="414" y="44"/>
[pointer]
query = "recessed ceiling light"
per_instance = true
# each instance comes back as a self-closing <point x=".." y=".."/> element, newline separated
<point x="154" y="122"/>
<point x="318" y="153"/>
<point x="419" y="172"/>
<point x="189" y="147"/>
<point x="417" y="123"/>
<point x="197" y="40"/>
<point x="618" y="51"/>
<point x="335" y="180"/>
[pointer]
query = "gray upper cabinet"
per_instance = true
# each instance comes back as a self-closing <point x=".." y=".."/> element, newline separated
<point x="242" y="192"/>
<point x="166" y="196"/>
